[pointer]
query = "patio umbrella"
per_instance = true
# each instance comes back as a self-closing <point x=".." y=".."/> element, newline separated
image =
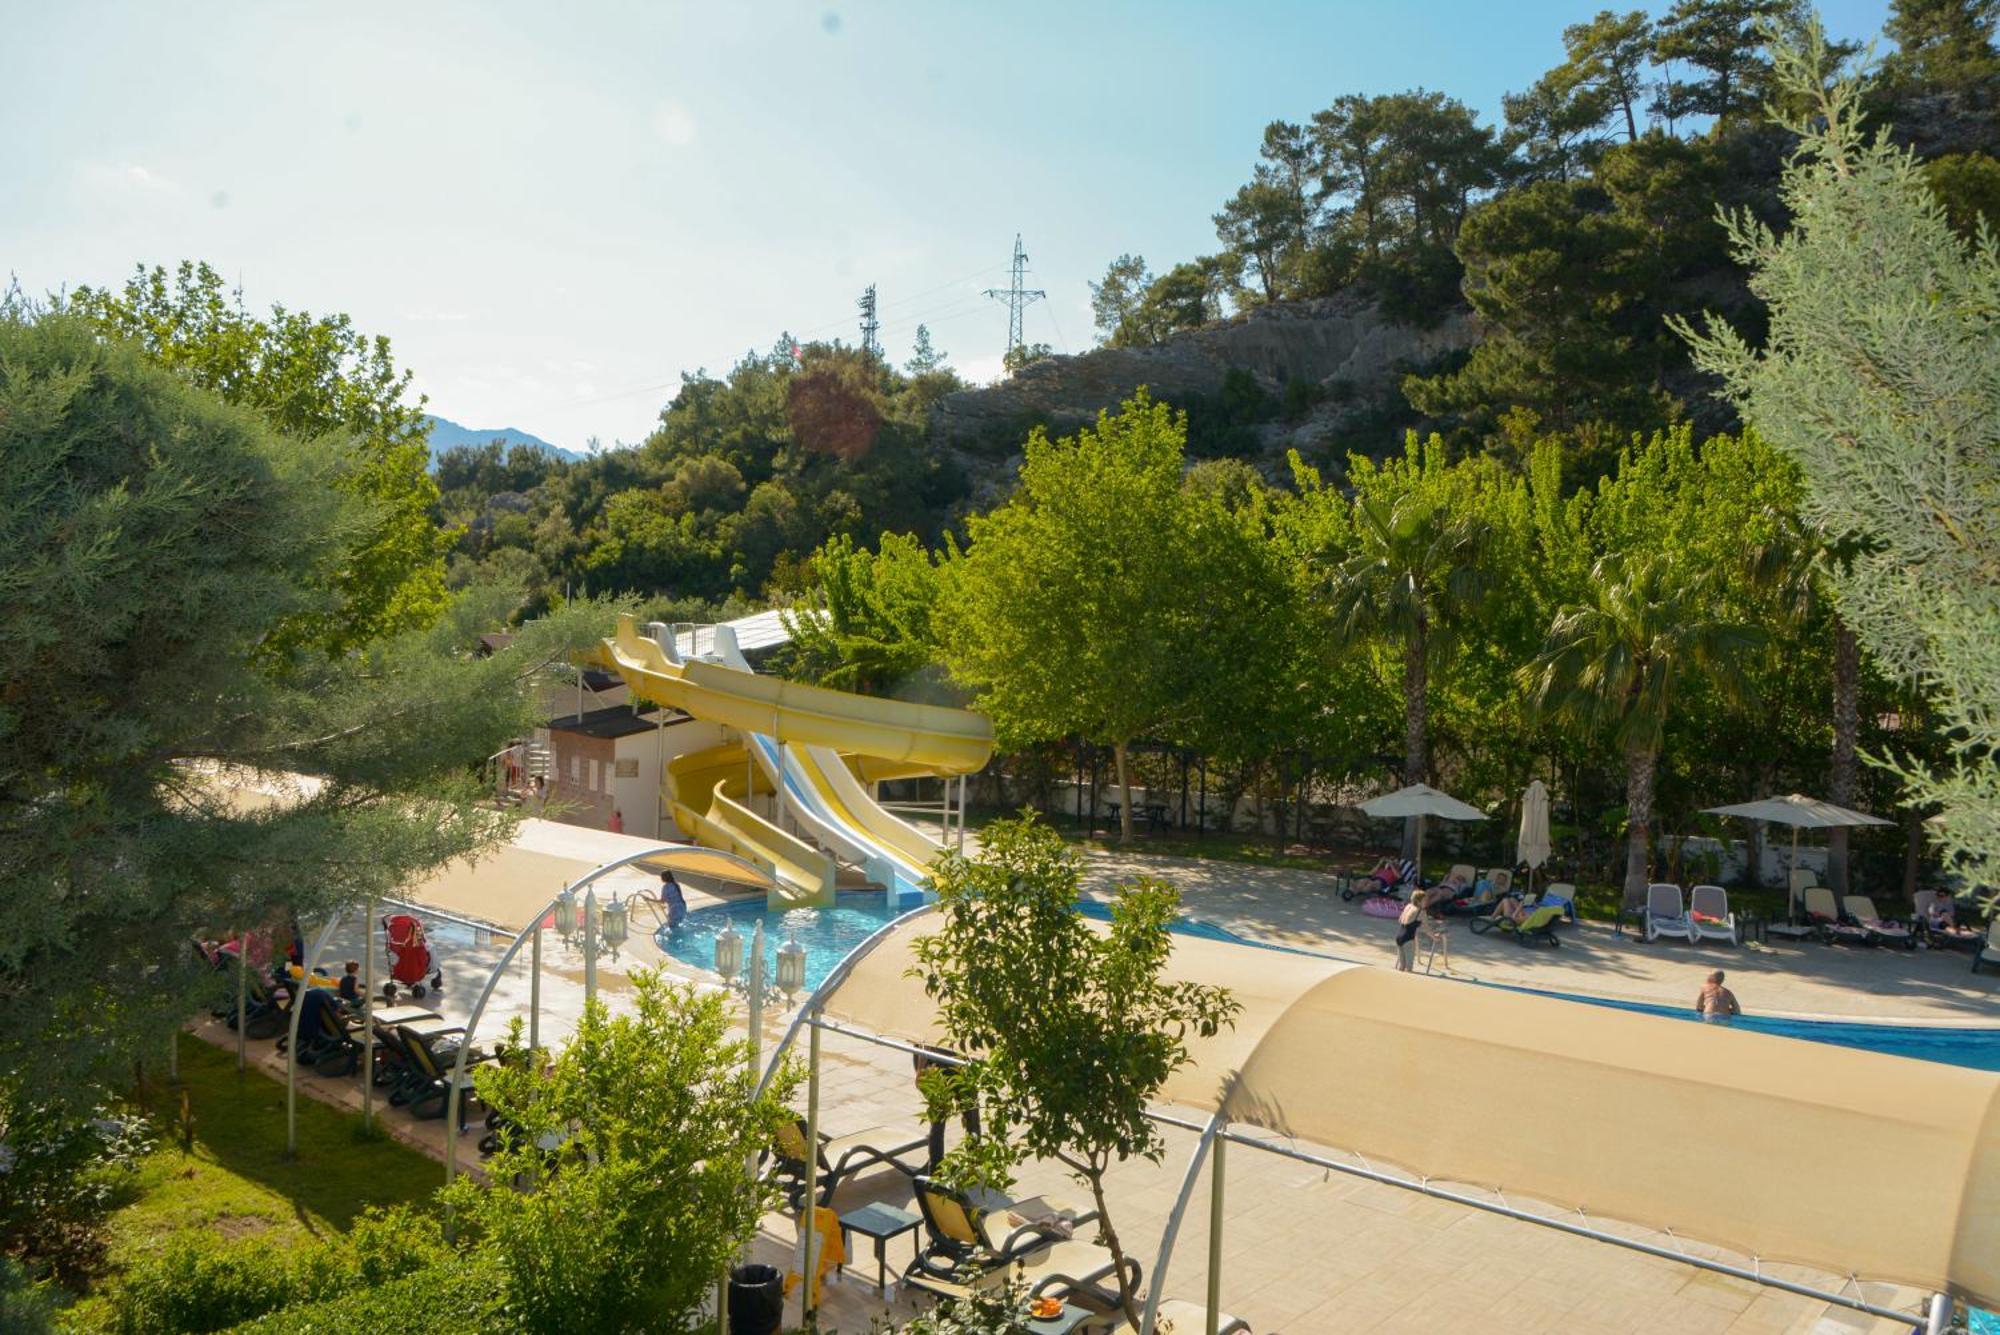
<point x="1799" y="812"/>
<point x="1532" y="847"/>
<point x="1420" y="800"/>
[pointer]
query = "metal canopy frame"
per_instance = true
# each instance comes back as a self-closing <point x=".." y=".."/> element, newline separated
<point x="1217" y="1133"/>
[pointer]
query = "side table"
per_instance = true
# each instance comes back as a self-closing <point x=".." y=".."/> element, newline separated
<point x="880" y="1222"/>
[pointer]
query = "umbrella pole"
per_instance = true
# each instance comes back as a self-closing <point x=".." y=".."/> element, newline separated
<point x="1791" y="890"/>
<point x="1420" y="850"/>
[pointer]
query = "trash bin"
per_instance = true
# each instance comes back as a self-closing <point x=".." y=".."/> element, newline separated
<point x="756" y="1300"/>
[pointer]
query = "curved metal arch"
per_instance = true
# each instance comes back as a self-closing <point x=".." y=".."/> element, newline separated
<point x="307" y="963"/>
<point x="1165" y="1256"/>
<point x="821" y="994"/>
<point x="583" y="882"/>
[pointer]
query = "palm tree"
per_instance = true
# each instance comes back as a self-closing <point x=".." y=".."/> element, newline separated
<point x="1617" y="664"/>
<point x="1416" y="572"/>
<point x="1797" y="567"/>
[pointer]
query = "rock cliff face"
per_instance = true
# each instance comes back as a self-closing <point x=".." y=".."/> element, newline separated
<point x="1343" y="344"/>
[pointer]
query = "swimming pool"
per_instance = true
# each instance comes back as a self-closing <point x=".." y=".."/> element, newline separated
<point x="828" y="934"/>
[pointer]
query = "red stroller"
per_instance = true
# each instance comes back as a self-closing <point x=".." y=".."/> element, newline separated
<point x="410" y="954"/>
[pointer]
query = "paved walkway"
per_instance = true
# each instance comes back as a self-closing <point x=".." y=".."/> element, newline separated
<point x="1302" y="908"/>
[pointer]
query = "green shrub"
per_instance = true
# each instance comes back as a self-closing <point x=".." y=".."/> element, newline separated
<point x="463" y="1294"/>
<point x="26" y="1308"/>
<point x="203" y="1283"/>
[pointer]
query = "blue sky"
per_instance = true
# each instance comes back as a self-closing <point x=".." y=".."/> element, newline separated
<point x="554" y="210"/>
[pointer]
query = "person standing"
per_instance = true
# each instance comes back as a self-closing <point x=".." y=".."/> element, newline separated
<point x="672" y="899"/>
<point x="617" y="821"/>
<point x="1407" y="923"/>
<point x="1715" y="1003"/>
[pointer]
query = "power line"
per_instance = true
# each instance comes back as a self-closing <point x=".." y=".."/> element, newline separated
<point x="1016" y="297"/>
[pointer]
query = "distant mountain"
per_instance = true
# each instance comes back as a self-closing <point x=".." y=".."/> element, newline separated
<point x="449" y="435"/>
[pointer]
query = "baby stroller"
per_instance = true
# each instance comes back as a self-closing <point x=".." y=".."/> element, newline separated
<point x="411" y="961"/>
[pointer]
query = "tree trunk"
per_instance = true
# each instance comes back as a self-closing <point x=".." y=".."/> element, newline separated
<point x="1124" y="794"/>
<point x="1639" y="766"/>
<point x="1846" y="728"/>
<point x="1913" y="852"/>
<point x="1631" y="125"/>
<point x="1760" y="831"/>
<point x="1416" y="686"/>
<point x="1127" y="1299"/>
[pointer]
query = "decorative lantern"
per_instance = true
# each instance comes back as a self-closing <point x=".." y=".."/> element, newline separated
<point x="791" y="967"/>
<point x="566" y="918"/>
<point x="615" y="922"/>
<point x="729" y="953"/>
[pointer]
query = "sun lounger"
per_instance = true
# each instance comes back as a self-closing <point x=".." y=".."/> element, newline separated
<point x="1562" y="895"/>
<point x="1708" y="910"/>
<point x="1881" y="931"/>
<point x="840" y="1158"/>
<point x="1539" y="925"/>
<point x="1666" y="914"/>
<point x="1959" y="934"/>
<point x="1989" y="950"/>
<point x="432" y="1058"/>
<point x="958" y="1254"/>
<point x="1177" y="1316"/>
<point x="1824" y="914"/>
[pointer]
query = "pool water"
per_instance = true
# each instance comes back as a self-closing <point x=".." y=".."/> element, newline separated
<point x="829" y="934"/>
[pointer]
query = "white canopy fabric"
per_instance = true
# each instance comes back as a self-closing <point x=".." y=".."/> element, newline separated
<point x="1420" y="799"/>
<point x="1900" y="1179"/>
<point x="1533" y="847"/>
<point x="1798" y="810"/>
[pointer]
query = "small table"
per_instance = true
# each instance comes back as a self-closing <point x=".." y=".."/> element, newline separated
<point x="1063" y="1322"/>
<point x="880" y="1222"/>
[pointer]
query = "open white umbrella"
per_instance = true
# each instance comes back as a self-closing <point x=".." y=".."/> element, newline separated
<point x="1420" y="800"/>
<point x="1532" y="847"/>
<point x="1799" y="812"/>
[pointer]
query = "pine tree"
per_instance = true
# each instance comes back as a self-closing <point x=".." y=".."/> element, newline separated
<point x="1881" y="377"/>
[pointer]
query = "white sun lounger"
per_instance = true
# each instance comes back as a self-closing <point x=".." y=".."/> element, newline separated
<point x="1562" y="894"/>
<point x="1712" y="902"/>
<point x="1825" y="914"/>
<point x="1862" y="909"/>
<point x="1666" y="914"/>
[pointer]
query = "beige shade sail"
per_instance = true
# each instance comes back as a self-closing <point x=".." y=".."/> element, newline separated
<point x="1847" y="1161"/>
<point x="1420" y="799"/>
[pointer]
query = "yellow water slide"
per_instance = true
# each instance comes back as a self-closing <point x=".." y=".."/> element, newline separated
<point x="802" y="733"/>
<point x="710" y="790"/>
<point x="943" y="741"/>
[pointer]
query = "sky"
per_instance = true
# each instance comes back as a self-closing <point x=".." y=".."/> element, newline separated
<point x="554" y="211"/>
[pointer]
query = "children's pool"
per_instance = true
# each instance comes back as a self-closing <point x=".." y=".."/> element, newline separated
<point x="829" y="934"/>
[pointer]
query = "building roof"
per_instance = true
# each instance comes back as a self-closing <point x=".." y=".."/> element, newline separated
<point x="758" y="633"/>
<point x="616" y="721"/>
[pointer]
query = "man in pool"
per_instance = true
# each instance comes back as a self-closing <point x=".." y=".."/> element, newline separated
<point x="1715" y="1003"/>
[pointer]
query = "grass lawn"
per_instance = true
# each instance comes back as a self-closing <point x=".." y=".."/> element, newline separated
<point x="237" y="1181"/>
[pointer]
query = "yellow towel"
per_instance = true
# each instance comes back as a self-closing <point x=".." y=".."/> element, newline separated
<point x="830" y="1244"/>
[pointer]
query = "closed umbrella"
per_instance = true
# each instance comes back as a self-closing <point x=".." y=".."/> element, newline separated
<point x="1532" y="847"/>
<point x="1420" y="800"/>
<point x="1799" y="812"/>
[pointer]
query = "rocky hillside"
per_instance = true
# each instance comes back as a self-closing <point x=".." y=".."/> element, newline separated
<point x="1326" y="366"/>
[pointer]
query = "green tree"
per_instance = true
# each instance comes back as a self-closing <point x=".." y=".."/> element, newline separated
<point x="1105" y="600"/>
<point x="152" y="538"/>
<point x="1612" y="51"/>
<point x="311" y="377"/>
<point x="1618" y="664"/>
<point x="1072" y="1034"/>
<point x="1881" y="378"/>
<point x="625" y="1225"/>
<point x="1115" y="302"/>
<point x="1025" y="354"/>
<point x="1723" y="39"/>
<point x="1968" y="186"/>
<point x="1944" y="45"/>
<point x="925" y="359"/>
<point x="1262" y="224"/>
<point x="1554" y="125"/>
<point x="1414" y="577"/>
<point x="867" y="626"/>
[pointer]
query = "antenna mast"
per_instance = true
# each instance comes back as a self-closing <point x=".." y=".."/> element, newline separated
<point x="1016" y="297"/>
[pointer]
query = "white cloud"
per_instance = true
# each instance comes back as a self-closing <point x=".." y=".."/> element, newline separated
<point x="127" y="179"/>
<point x="672" y="123"/>
<point x="429" y="315"/>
